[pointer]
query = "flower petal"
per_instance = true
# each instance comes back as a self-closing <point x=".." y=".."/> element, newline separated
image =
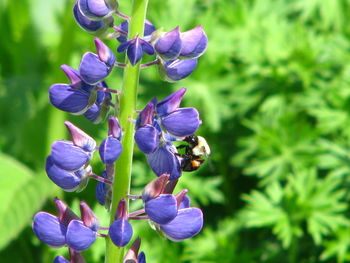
<point x="69" y="99"/>
<point x="146" y="47"/>
<point x="194" y="43"/>
<point x="182" y="122"/>
<point x="94" y="9"/>
<point x="80" y="138"/>
<point x="163" y="160"/>
<point x="170" y="103"/>
<point x="78" y="236"/>
<point x="187" y="223"/>
<point x="185" y="202"/>
<point x="168" y="46"/>
<point x="124" y="46"/>
<point x="93" y="113"/>
<point x="49" y="230"/>
<point x="114" y="128"/>
<point x="162" y="209"/>
<point x="68" y="156"/>
<point x="72" y="74"/>
<point x="174" y="70"/>
<point x="88" y="217"/>
<point x="92" y="69"/>
<point x="68" y="181"/>
<point x="120" y="232"/>
<point x="135" y="52"/>
<point x="104" y="52"/>
<point x="110" y="150"/>
<point x="147" y="139"/>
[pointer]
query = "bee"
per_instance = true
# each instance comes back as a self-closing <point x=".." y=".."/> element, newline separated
<point x="195" y="150"/>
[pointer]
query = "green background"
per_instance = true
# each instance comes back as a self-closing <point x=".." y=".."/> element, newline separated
<point x="273" y="91"/>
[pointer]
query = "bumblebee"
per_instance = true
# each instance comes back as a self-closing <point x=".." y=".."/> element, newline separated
<point x="195" y="149"/>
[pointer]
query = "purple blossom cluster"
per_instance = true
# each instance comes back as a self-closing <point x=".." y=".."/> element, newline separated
<point x="161" y="123"/>
<point x="158" y="125"/>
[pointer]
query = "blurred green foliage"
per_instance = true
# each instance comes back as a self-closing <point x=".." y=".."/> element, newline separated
<point x="273" y="91"/>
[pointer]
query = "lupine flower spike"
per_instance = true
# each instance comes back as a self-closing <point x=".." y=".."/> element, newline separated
<point x="158" y="125"/>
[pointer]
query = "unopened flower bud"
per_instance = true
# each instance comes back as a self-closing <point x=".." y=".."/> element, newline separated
<point x="114" y="128"/>
<point x="110" y="150"/>
<point x="120" y="230"/>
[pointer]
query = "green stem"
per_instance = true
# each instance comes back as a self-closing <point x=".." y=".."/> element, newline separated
<point x="293" y="251"/>
<point x="127" y="106"/>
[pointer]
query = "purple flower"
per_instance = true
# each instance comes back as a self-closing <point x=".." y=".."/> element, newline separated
<point x="147" y="135"/>
<point x="187" y="223"/>
<point x="79" y="97"/>
<point x="120" y="231"/>
<point x="164" y="160"/>
<point x="161" y="123"/>
<point x="67" y="165"/>
<point x="171" y="214"/>
<point x="180" y="122"/>
<point x="68" y="181"/>
<point x="94" y="27"/>
<point x="135" y="48"/>
<point x="168" y="45"/>
<point x="79" y="236"/>
<point x="67" y="228"/>
<point x="160" y="207"/>
<point x="95" y="67"/>
<point x="174" y="70"/>
<point x="49" y="229"/>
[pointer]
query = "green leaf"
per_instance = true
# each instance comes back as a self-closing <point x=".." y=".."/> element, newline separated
<point x="21" y="193"/>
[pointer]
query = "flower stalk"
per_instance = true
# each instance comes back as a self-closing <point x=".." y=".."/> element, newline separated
<point x="128" y="99"/>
